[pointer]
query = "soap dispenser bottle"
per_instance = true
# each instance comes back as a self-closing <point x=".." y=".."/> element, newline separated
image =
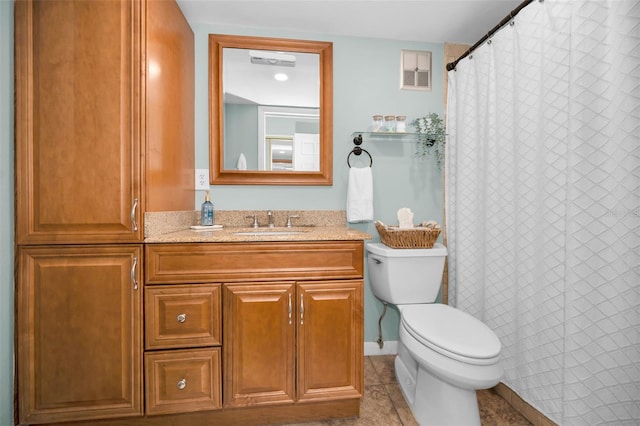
<point x="206" y="216"/>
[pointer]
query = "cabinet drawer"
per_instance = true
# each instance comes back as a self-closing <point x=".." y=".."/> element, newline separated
<point x="182" y="316"/>
<point x="182" y="381"/>
<point x="235" y="262"/>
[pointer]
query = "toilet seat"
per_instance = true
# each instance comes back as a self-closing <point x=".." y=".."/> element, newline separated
<point x="452" y="333"/>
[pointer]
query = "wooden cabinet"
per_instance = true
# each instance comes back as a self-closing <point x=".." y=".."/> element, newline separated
<point x="292" y="321"/>
<point x="188" y="318"/>
<point x="104" y="118"/>
<point x="79" y="332"/>
<point x="259" y="347"/>
<point x="101" y="137"/>
<point x="289" y="342"/>
<point x="330" y="343"/>
<point x="78" y="121"/>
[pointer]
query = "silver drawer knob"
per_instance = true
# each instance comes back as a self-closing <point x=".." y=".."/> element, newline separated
<point x="182" y="317"/>
<point x="182" y="384"/>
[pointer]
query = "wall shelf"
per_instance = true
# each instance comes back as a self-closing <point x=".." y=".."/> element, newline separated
<point x="386" y="136"/>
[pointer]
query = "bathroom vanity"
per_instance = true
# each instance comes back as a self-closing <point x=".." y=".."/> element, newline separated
<point x="247" y="327"/>
<point x="291" y="318"/>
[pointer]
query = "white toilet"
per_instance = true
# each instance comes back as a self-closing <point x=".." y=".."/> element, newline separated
<point x="444" y="354"/>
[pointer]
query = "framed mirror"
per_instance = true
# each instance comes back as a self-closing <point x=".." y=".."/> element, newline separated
<point x="270" y="111"/>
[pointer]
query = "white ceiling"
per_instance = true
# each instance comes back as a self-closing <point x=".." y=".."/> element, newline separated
<point x="437" y="21"/>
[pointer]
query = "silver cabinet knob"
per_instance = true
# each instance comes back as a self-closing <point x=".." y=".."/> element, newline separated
<point x="182" y="317"/>
<point x="182" y="384"/>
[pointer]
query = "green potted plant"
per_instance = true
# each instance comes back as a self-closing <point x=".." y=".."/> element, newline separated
<point x="431" y="137"/>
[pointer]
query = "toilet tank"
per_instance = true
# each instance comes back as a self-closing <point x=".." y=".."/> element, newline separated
<point x="405" y="276"/>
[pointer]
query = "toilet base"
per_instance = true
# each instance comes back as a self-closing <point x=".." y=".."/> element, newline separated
<point x="433" y="401"/>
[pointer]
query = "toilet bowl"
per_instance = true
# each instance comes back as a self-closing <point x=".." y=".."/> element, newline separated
<point x="444" y="354"/>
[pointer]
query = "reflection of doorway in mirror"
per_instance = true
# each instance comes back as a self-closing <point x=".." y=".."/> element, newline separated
<point x="299" y="153"/>
<point x="306" y="149"/>
<point x="288" y="139"/>
<point x="281" y="153"/>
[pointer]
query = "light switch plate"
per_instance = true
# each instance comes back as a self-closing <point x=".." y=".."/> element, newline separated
<point x="202" y="179"/>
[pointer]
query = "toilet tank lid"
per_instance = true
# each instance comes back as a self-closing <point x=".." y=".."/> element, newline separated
<point x="383" y="250"/>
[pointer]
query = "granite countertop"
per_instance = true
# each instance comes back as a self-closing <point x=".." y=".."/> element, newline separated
<point x="174" y="227"/>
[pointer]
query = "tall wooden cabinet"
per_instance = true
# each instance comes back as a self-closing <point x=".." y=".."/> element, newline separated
<point x="79" y="336"/>
<point x="78" y="122"/>
<point x="87" y="168"/>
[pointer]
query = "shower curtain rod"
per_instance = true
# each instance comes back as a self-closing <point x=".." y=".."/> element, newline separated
<point x="505" y="20"/>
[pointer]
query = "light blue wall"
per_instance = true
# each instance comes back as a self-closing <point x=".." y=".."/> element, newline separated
<point x="6" y="212"/>
<point x="366" y="82"/>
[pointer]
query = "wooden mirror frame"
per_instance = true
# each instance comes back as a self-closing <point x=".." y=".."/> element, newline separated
<point x="218" y="175"/>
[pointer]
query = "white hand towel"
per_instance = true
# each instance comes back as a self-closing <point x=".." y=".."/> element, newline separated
<point x="360" y="195"/>
<point x="242" y="162"/>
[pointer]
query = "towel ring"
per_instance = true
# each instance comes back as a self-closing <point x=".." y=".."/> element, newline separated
<point x="357" y="151"/>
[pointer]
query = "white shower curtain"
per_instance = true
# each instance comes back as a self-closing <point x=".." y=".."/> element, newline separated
<point x="543" y="204"/>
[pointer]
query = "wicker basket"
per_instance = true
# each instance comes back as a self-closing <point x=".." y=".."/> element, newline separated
<point x="418" y="237"/>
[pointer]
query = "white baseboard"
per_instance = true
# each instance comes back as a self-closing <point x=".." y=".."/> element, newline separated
<point x="389" y="348"/>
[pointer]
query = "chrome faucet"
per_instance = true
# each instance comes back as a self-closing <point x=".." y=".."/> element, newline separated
<point x="255" y="220"/>
<point x="291" y="216"/>
<point x="270" y="216"/>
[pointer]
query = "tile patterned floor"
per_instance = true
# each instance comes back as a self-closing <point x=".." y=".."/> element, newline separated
<point x="384" y="405"/>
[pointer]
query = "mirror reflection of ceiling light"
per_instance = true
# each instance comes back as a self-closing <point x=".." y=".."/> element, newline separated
<point x="281" y="76"/>
<point x="267" y="57"/>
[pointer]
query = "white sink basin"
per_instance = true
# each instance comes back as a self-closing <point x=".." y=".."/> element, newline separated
<point x="258" y="233"/>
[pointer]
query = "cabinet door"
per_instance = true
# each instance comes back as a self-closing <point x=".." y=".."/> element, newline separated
<point x="258" y="347"/>
<point x="78" y="121"/>
<point x="79" y="333"/>
<point x="330" y="339"/>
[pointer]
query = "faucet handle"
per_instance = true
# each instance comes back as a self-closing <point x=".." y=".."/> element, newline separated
<point x="255" y="220"/>
<point x="291" y="216"/>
